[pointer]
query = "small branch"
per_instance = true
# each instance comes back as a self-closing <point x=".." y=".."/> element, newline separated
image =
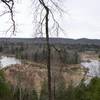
<point x="60" y="56"/>
<point x="56" y="25"/>
<point x="4" y="13"/>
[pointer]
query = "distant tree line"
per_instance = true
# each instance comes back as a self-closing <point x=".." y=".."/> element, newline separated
<point x="37" y="52"/>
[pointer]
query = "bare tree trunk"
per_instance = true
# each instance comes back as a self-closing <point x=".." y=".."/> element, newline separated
<point x="20" y="94"/>
<point x="46" y="8"/>
<point x="48" y="55"/>
<point x="54" y="89"/>
<point x="48" y="48"/>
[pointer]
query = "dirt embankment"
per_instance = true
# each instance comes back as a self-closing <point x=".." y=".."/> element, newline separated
<point x="33" y="75"/>
<point x="89" y="55"/>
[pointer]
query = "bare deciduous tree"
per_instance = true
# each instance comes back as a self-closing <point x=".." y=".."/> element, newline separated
<point x="46" y="22"/>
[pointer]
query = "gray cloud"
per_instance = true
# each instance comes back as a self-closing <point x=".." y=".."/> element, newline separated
<point x="82" y="20"/>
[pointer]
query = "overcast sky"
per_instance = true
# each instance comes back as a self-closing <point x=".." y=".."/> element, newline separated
<point x="82" y="20"/>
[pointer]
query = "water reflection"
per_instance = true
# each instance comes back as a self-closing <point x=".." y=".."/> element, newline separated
<point x="93" y="66"/>
<point x="6" y="61"/>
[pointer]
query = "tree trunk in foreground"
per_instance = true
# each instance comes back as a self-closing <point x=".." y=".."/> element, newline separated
<point x="48" y="56"/>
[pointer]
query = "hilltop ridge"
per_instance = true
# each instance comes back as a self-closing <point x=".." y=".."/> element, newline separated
<point x="52" y="41"/>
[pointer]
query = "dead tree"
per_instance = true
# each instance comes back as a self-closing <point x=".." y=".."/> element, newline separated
<point x="46" y="9"/>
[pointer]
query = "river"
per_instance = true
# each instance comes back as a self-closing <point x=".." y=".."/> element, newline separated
<point x="93" y="68"/>
<point x="93" y="65"/>
<point x="6" y="61"/>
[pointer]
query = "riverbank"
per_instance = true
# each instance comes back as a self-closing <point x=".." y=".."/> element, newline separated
<point x="33" y="74"/>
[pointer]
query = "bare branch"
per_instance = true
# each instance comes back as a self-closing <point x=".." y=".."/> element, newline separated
<point x="4" y="13"/>
<point x="10" y="5"/>
<point x="56" y="25"/>
<point x="46" y="10"/>
<point x="55" y="15"/>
